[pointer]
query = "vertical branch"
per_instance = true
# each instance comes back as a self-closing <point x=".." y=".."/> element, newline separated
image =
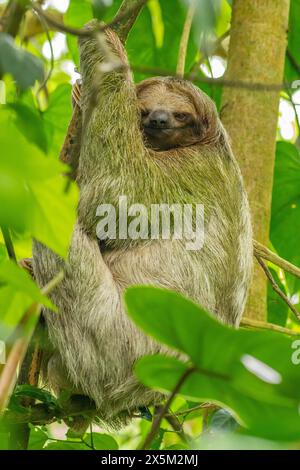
<point x="164" y="409"/>
<point x="256" y="54"/>
<point x="185" y="39"/>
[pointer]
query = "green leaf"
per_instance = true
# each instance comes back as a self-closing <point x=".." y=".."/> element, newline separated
<point x="55" y="213"/>
<point x="157" y="441"/>
<point x="102" y="441"/>
<point x="23" y="66"/>
<point x="57" y="117"/>
<point x="222" y="420"/>
<point x="285" y="222"/>
<point x="236" y="369"/>
<point x="33" y="194"/>
<point x="30" y="123"/>
<point x="37" y="438"/>
<point x="66" y="445"/>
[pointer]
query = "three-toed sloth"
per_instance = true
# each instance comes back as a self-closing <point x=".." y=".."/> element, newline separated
<point x="158" y="142"/>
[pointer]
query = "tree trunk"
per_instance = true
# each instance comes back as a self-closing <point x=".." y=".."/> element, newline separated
<point x="256" y="55"/>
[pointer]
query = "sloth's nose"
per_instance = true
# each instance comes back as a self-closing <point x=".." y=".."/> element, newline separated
<point x="159" y="119"/>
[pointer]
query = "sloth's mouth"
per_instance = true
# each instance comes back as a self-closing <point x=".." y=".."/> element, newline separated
<point x="159" y="130"/>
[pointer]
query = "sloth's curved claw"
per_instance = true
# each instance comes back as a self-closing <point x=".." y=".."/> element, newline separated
<point x="76" y="93"/>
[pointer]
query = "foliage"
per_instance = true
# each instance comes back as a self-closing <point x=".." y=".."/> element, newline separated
<point x="248" y="375"/>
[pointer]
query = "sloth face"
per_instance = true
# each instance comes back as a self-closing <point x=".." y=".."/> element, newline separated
<point x="168" y="117"/>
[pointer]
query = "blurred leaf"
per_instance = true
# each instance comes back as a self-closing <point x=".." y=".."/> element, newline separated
<point x="33" y="194"/>
<point x="23" y="66"/>
<point x="235" y="368"/>
<point x="100" y="7"/>
<point x="222" y="420"/>
<point x="206" y="15"/>
<point x="285" y="222"/>
<point x="233" y="441"/>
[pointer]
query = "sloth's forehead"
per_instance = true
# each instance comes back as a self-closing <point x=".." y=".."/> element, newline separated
<point x="160" y="96"/>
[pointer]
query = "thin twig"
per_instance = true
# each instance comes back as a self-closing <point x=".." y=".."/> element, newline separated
<point x="263" y="252"/>
<point x="185" y="39"/>
<point x="122" y="16"/>
<point x="174" y="422"/>
<point x="276" y="288"/>
<point x="203" y="406"/>
<point x="195" y="77"/>
<point x="158" y="418"/>
<point x="46" y="30"/>
<point x="260" y="325"/>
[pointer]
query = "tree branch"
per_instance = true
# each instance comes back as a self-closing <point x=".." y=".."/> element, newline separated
<point x="195" y="77"/>
<point x="263" y="252"/>
<point x="126" y="17"/>
<point x="164" y="409"/>
<point x="185" y="39"/>
<point x="122" y="22"/>
<point x="260" y="325"/>
<point x="276" y="288"/>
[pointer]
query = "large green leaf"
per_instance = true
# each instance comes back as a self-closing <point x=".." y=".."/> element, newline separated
<point x="33" y="194"/>
<point x="236" y="368"/>
<point x="285" y="223"/>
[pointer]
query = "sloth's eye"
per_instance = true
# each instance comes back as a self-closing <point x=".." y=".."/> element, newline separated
<point x="181" y="116"/>
<point x="145" y="112"/>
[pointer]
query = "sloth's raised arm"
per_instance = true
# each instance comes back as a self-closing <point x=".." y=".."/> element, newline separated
<point x="111" y="122"/>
